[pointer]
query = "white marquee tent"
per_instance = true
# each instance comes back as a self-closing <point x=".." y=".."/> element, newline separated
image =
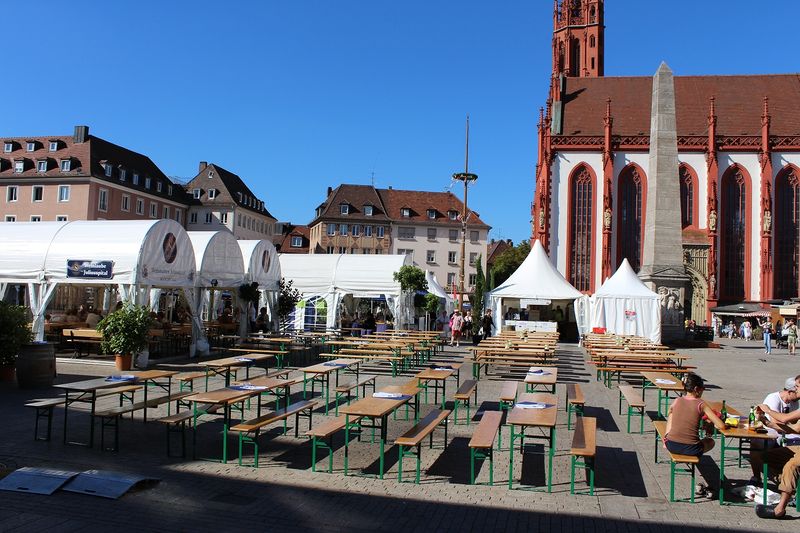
<point x="624" y="305"/>
<point x="435" y="288"/>
<point x="332" y="276"/>
<point x="537" y="279"/>
<point x="262" y="266"/>
<point x="134" y="255"/>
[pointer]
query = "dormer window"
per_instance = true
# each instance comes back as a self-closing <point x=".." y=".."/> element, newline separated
<point x="41" y="165"/>
<point x="147" y="181"/>
<point x="66" y="165"/>
<point x="344" y="209"/>
<point x="53" y="146"/>
<point x="169" y="190"/>
<point x="159" y="185"/>
<point x="31" y="146"/>
<point x="240" y="197"/>
<point x="452" y="215"/>
<point x="368" y="210"/>
<point x="196" y="194"/>
<point x="8" y="147"/>
<point x="109" y="170"/>
<point x="135" y="178"/>
<point x="405" y="212"/>
<point x="123" y="174"/>
<point x="19" y="166"/>
<point x="431" y="213"/>
<point x="210" y="174"/>
<point x="212" y="193"/>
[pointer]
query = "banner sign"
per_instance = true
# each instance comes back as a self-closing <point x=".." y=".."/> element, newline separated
<point x="83" y="268"/>
<point x="525" y="302"/>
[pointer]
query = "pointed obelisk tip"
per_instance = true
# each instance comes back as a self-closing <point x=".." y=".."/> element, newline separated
<point x="663" y="68"/>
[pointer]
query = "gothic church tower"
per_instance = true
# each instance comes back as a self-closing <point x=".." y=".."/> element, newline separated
<point x="578" y="38"/>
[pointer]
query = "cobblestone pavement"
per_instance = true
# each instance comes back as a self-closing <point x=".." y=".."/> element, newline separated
<point x="283" y="494"/>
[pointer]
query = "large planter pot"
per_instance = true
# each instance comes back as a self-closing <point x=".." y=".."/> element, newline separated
<point x="6" y="374"/>
<point x="123" y="362"/>
<point x="36" y="365"/>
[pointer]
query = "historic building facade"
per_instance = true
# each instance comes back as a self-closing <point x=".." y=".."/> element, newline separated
<point x="738" y="170"/>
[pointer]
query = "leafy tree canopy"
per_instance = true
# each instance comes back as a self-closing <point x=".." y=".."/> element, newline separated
<point x="507" y="262"/>
<point x="411" y="278"/>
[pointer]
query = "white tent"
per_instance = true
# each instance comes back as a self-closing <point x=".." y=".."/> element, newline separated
<point x="332" y="276"/>
<point x="134" y="255"/>
<point x="262" y="266"/>
<point x="624" y="305"/>
<point x="435" y="288"/>
<point x="535" y="279"/>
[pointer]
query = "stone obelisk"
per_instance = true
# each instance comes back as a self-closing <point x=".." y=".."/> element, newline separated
<point x="662" y="268"/>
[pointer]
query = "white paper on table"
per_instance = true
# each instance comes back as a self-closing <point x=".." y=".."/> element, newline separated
<point x="538" y="371"/>
<point x="390" y="395"/>
<point x="664" y="382"/>
<point x="532" y="405"/>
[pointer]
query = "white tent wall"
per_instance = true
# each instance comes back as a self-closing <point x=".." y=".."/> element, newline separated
<point x="434" y="287"/>
<point x="262" y="266"/>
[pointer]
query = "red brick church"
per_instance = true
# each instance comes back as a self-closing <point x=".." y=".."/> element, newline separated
<point x="738" y="169"/>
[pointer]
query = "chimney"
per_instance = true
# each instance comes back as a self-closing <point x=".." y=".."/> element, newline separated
<point x="203" y="166"/>
<point x="330" y="190"/>
<point x="81" y="134"/>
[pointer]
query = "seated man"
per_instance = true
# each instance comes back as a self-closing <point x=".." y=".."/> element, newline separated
<point x="783" y="458"/>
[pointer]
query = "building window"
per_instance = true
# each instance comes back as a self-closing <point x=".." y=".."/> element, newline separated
<point x="102" y="199"/>
<point x="452" y="215"/>
<point x="368" y="210"/>
<point x="580" y="237"/>
<point x="165" y="212"/>
<point x="41" y="166"/>
<point x="343" y="229"/>
<point x="432" y="213"/>
<point x="452" y="235"/>
<point x="11" y="193"/>
<point x="473" y="279"/>
<point x="356" y="230"/>
<point x="109" y="170"/>
<point x="366" y="251"/>
<point x="135" y="178"/>
<point x="381" y="230"/>
<point x="474" y="235"/>
<point x="212" y="193"/>
<point x="37" y="193"/>
<point x="344" y="209"/>
<point x="405" y="212"/>
<point x="178" y="215"/>
<point x="404" y="233"/>
<point x="11" y="218"/>
<point x="687" y="196"/>
<point x="329" y="250"/>
<point x="342" y="250"/>
<point x="408" y="252"/>
<point x="473" y="256"/>
<point x="451" y="280"/>
<point x="451" y="257"/>
<point x="147" y="181"/>
<point x="53" y="146"/>
<point x="431" y="234"/>
<point x="153" y="210"/>
<point x="63" y="193"/>
<point x="61" y="218"/>
<point x="208" y="218"/>
<point x="126" y="203"/>
<point x="629" y="217"/>
<point x="139" y="206"/>
<point x="19" y="166"/>
<point x="36" y="218"/>
<point x="169" y="190"/>
<point x="787" y="226"/>
<point x="31" y="146"/>
<point x="196" y="194"/>
<point x="66" y="165"/>
<point x="223" y="217"/>
<point x="123" y="174"/>
<point x="734" y="236"/>
<point x="378" y="251"/>
<point x="430" y="256"/>
<point x="297" y="241"/>
<point x="193" y="218"/>
<point x="331" y="229"/>
<point x="367" y="231"/>
<point x="159" y="186"/>
<point x="8" y="147"/>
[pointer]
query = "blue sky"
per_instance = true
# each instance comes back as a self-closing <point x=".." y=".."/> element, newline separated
<point x="295" y="96"/>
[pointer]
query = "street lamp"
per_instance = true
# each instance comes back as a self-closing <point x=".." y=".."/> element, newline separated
<point x="467" y="178"/>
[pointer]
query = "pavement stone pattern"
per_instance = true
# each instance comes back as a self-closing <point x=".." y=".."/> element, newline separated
<point x="283" y="494"/>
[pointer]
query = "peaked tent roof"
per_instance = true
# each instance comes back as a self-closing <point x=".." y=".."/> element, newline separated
<point x="434" y="287"/>
<point x="625" y="283"/>
<point x="536" y="277"/>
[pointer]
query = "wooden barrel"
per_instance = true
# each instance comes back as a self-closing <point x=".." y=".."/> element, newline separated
<point x="36" y="366"/>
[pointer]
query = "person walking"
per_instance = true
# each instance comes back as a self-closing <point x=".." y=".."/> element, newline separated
<point x="458" y="324"/>
<point x="487" y="324"/>
<point x="791" y="336"/>
<point x="766" y="328"/>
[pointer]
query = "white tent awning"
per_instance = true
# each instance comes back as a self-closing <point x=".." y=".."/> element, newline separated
<point x="218" y="258"/>
<point x="261" y="263"/>
<point x="536" y="278"/>
<point x="24" y="248"/>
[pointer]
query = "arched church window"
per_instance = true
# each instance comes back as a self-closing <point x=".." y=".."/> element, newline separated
<point x="629" y="217"/>
<point x="580" y="238"/>
<point x="687" y="197"/>
<point x="733" y="250"/>
<point x="591" y="41"/>
<point x="575" y="58"/>
<point x="787" y="240"/>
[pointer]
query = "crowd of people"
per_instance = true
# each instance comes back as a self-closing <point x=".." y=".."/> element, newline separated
<point x="691" y="421"/>
<point x="458" y="326"/>
<point x="772" y="334"/>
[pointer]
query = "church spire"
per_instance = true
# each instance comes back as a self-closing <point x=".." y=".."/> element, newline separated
<point x="578" y="40"/>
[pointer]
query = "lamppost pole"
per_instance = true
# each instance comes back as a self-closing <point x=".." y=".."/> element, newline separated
<point x="466" y="177"/>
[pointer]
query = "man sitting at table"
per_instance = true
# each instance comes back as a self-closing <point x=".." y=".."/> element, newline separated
<point x="784" y="458"/>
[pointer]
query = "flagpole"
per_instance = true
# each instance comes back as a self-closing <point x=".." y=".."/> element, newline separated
<point x="466" y="177"/>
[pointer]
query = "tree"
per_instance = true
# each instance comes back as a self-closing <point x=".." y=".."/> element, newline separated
<point x="477" y="297"/>
<point x="507" y="262"/>
<point x="411" y="278"/>
<point x="287" y="299"/>
<point x="431" y="306"/>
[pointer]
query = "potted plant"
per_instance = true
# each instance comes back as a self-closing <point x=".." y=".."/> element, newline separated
<point x="15" y="331"/>
<point x="125" y="333"/>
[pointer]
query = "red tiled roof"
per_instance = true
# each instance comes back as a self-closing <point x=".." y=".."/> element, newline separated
<point x="356" y="197"/>
<point x="420" y="201"/>
<point x="495" y="248"/>
<point x="235" y="185"/>
<point x="284" y="242"/>
<point x="739" y="104"/>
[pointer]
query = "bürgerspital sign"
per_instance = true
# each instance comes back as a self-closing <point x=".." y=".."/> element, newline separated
<point x="82" y="268"/>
